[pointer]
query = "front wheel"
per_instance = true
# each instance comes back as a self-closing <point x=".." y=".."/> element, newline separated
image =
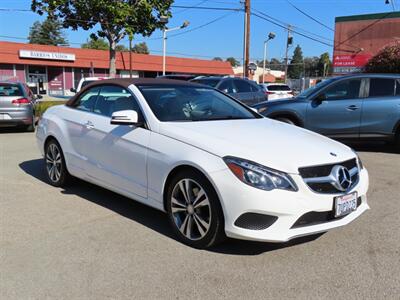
<point x="286" y="120"/>
<point x="56" y="169"/>
<point x="194" y="210"/>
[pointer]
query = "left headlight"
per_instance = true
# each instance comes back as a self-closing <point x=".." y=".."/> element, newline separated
<point x="259" y="176"/>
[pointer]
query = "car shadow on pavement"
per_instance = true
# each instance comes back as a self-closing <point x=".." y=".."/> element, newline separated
<point x="7" y="130"/>
<point x="149" y="217"/>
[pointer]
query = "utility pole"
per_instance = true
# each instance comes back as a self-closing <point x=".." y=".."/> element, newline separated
<point x="130" y="55"/>
<point x="246" y="50"/>
<point x="288" y="43"/>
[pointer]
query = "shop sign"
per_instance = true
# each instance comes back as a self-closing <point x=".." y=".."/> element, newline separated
<point x="46" y="55"/>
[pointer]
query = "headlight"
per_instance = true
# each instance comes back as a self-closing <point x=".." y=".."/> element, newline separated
<point x="359" y="162"/>
<point x="259" y="176"/>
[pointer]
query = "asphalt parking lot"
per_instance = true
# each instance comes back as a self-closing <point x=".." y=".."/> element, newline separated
<point x="84" y="242"/>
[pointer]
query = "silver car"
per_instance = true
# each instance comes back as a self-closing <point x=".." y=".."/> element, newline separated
<point x="17" y="105"/>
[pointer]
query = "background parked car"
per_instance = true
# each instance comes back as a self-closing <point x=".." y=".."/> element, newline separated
<point x="243" y="90"/>
<point x="275" y="91"/>
<point x="365" y="106"/>
<point x="85" y="81"/>
<point x="184" y="77"/>
<point x="17" y="105"/>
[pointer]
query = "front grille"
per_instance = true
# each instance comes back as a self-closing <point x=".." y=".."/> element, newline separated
<point x="318" y="178"/>
<point x="255" y="221"/>
<point x="315" y="218"/>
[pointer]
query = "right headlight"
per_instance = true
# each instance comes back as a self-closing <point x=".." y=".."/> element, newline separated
<point x="259" y="176"/>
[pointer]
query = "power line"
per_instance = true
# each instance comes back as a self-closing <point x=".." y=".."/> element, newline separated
<point x="309" y="16"/>
<point x="207" y="7"/>
<point x="194" y="6"/>
<point x="292" y="30"/>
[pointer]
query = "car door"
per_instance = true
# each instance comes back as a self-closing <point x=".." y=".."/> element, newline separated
<point x="243" y="92"/>
<point x="78" y="128"/>
<point x="381" y="108"/>
<point x="336" y="110"/>
<point x="119" y="152"/>
<point x="258" y="93"/>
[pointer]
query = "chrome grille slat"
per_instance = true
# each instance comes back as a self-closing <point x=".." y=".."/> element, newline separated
<point x="327" y="184"/>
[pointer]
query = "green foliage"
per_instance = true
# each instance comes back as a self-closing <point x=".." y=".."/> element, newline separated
<point x="217" y="58"/>
<point x="233" y="61"/>
<point x="121" y="48"/>
<point x="324" y="64"/>
<point x="141" y="48"/>
<point x="276" y="64"/>
<point x="386" y="61"/>
<point x="95" y="43"/>
<point x="115" y="19"/>
<point x="42" y="106"/>
<point x="48" y="32"/>
<point x="296" y="68"/>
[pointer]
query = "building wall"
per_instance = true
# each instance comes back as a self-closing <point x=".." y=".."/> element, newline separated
<point x="358" y="38"/>
<point x="6" y="71"/>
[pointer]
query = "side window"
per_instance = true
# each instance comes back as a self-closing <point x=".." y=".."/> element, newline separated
<point x="381" y="87"/>
<point x="255" y="88"/>
<point x="227" y="87"/>
<point x="242" y="86"/>
<point x="114" y="98"/>
<point x="88" y="99"/>
<point x="347" y="89"/>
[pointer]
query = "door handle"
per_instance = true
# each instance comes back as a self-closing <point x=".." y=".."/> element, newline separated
<point x="352" y="107"/>
<point x="89" y="125"/>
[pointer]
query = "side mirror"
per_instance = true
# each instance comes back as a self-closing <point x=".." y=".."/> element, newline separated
<point x="320" y="98"/>
<point x="38" y="97"/>
<point x="125" y="117"/>
<point x="72" y="90"/>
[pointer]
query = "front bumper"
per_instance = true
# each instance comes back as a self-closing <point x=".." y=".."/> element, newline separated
<point x="238" y="198"/>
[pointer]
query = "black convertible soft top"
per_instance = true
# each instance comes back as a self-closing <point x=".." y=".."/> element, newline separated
<point x="126" y="82"/>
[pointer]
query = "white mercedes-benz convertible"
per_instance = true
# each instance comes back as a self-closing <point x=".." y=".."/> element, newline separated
<point x="216" y="167"/>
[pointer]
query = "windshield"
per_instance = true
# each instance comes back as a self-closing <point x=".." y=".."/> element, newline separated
<point x="10" y="90"/>
<point x="316" y="87"/>
<point x="188" y="103"/>
<point x="209" y="82"/>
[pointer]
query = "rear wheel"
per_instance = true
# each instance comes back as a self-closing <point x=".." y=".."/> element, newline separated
<point x="194" y="210"/>
<point x="56" y="169"/>
<point x="397" y="141"/>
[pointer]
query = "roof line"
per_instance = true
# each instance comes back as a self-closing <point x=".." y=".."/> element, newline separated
<point x="388" y="15"/>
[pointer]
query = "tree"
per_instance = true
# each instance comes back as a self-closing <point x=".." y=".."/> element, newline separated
<point x="95" y="43"/>
<point x="141" y="48"/>
<point x="233" y="61"/>
<point x="296" y="67"/>
<point x="217" y="59"/>
<point x="311" y="65"/>
<point x="115" y="19"/>
<point x="324" y="64"/>
<point x="276" y="64"/>
<point x="48" y="32"/>
<point x="386" y="61"/>
<point x="121" y="48"/>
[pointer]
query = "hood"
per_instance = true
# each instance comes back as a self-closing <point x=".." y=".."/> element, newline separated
<point x="276" y="102"/>
<point x="271" y="143"/>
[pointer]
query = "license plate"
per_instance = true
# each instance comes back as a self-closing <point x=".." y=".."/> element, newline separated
<point x="4" y="117"/>
<point x="345" y="204"/>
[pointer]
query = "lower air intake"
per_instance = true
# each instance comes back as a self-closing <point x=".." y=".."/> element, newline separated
<point x="255" y="221"/>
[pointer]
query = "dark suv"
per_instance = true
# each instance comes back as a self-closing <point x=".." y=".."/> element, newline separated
<point x="363" y="106"/>
<point x="243" y="90"/>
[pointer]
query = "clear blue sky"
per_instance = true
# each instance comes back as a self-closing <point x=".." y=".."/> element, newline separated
<point x="225" y="37"/>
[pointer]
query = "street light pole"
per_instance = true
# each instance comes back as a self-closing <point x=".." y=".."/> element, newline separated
<point x="271" y="36"/>
<point x="164" y="50"/>
<point x="165" y="30"/>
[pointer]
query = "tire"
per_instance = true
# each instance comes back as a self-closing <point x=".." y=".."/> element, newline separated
<point x="286" y="120"/>
<point x="56" y="169"/>
<point x="32" y="126"/>
<point x="199" y="227"/>
<point x="397" y="142"/>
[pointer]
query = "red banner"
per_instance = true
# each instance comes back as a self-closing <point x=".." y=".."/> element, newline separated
<point x="357" y="60"/>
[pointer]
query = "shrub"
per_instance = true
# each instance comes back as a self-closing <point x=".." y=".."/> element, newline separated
<point x="43" y="105"/>
<point x="386" y="61"/>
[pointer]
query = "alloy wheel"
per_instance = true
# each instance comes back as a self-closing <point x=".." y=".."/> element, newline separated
<point x="191" y="209"/>
<point x="53" y="162"/>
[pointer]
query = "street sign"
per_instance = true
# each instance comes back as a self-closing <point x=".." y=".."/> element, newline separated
<point x="252" y="66"/>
